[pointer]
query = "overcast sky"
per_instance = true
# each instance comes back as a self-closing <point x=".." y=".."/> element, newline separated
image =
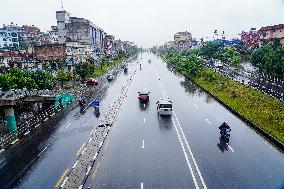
<point x="151" y="22"/>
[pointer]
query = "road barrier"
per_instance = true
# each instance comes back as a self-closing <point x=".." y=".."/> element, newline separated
<point x="78" y="174"/>
<point x="28" y="127"/>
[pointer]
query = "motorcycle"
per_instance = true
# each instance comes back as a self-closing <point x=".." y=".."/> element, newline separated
<point x="225" y="132"/>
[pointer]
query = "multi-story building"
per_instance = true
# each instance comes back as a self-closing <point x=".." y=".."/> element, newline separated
<point x="53" y="35"/>
<point x="183" y="39"/>
<point x="28" y="36"/>
<point x="8" y="39"/>
<point x="251" y="38"/>
<point x="270" y="33"/>
<point x="109" y="45"/>
<point x="79" y="29"/>
<point x="76" y="52"/>
<point x="50" y="53"/>
<point x="9" y="58"/>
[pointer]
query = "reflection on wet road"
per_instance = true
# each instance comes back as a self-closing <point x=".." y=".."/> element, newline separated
<point x="146" y="150"/>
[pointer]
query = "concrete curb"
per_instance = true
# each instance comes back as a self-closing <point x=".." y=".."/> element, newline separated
<point x="265" y="134"/>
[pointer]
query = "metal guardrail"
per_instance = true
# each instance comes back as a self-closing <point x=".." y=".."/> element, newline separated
<point x="14" y="94"/>
<point x="25" y="129"/>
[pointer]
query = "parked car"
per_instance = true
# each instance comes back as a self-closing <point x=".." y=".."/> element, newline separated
<point x="164" y="106"/>
<point x="143" y="97"/>
<point x="91" y="81"/>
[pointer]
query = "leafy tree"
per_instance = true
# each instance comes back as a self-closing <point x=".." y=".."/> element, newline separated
<point x="6" y="82"/>
<point x="269" y="59"/>
<point x="63" y="76"/>
<point x="43" y="79"/>
<point x="84" y="69"/>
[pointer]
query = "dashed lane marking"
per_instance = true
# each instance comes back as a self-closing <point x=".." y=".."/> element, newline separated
<point x="230" y="148"/>
<point x="68" y="125"/>
<point x="61" y="178"/>
<point x="208" y="121"/>
<point x="143" y="144"/>
<point x="42" y="151"/>
<point x="144" y="119"/>
<point x="141" y="185"/>
<point x="79" y="151"/>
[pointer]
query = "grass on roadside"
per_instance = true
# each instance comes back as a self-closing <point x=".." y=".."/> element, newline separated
<point x="100" y="70"/>
<point x="267" y="112"/>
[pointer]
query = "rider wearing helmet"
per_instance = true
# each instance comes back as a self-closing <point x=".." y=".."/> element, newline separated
<point x="224" y="128"/>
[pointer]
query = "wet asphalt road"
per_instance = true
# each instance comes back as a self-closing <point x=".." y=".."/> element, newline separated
<point x="144" y="150"/>
<point x="40" y="162"/>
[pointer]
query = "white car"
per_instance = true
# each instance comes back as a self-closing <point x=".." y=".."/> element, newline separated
<point x="164" y="106"/>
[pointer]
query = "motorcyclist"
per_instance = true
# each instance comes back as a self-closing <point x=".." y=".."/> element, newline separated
<point x="224" y="128"/>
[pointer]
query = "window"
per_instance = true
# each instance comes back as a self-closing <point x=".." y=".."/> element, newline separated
<point x="5" y="45"/>
<point x="14" y="40"/>
<point x="14" y="34"/>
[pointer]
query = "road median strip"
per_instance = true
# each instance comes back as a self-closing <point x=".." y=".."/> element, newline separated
<point x="80" y="171"/>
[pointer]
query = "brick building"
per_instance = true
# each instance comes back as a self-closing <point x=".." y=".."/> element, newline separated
<point x="270" y="33"/>
<point x="251" y="38"/>
<point x="50" y="53"/>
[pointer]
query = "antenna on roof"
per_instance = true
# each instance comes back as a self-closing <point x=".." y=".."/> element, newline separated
<point x="62" y="7"/>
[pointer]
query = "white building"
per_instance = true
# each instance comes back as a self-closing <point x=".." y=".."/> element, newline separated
<point x="53" y="35"/>
<point x="8" y="39"/>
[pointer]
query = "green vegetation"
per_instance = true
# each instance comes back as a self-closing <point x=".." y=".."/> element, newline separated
<point x="105" y="66"/>
<point x="265" y="111"/>
<point x="269" y="59"/>
<point x="63" y="76"/>
<point x="228" y="55"/>
<point x="19" y="78"/>
<point x="84" y="69"/>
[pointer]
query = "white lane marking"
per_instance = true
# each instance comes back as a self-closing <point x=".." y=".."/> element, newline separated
<point x="144" y="119"/>
<point x="143" y="144"/>
<point x="144" y="105"/>
<point x="83" y="151"/>
<point x="42" y="151"/>
<point x="185" y="155"/>
<point x="64" y="182"/>
<point x="195" y="106"/>
<point x="141" y="185"/>
<point x="268" y="145"/>
<point x="68" y="125"/>
<point x="208" y="121"/>
<point x="101" y="144"/>
<point x="75" y="164"/>
<point x="90" y="140"/>
<point x="191" y="154"/>
<point x="230" y="148"/>
<point x="88" y="171"/>
<point x="95" y="156"/>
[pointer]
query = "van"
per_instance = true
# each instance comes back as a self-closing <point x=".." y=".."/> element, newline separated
<point x="164" y="106"/>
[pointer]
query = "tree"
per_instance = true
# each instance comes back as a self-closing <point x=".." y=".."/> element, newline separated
<point x="63" y="76"/>
<point x="6" y="82"/>
<point x="43" y="79"/>
<point x="84" y="69"/>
